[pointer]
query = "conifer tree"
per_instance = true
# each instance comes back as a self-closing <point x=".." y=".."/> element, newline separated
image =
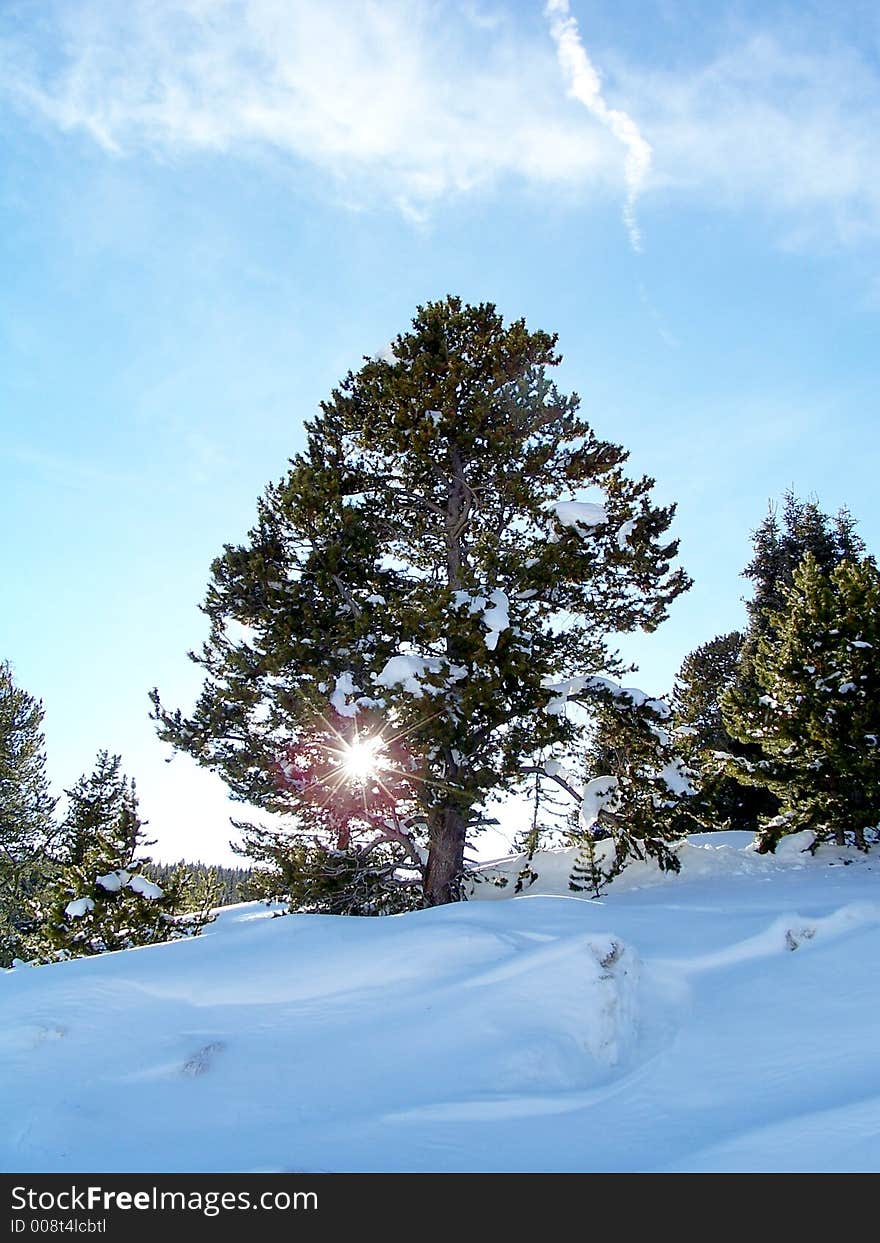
<point x="636" y="800"/>
<point x="817" y="719"/>
<point x="101" y="898"/>
<point x="26" y="809"/>
<point x="780" y="544"/>
<point x="413" y="584"/>
<point x="780" y="547"/>
<point x="720" y="801"/>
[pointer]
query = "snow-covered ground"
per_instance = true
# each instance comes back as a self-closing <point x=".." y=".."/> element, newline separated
<point x="723" y="1019"/>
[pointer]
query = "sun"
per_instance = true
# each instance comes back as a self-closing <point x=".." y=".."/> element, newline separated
<point x="361" y="759"/>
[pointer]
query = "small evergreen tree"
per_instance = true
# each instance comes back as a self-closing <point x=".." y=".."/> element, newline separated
<point x="26" y="809"/>
<point x="428" y="563"/>
<point x="636" y="800"/>
<point x="780" y="545"/>
<point x="101" y="898"/>
<point x="817" y="718"/>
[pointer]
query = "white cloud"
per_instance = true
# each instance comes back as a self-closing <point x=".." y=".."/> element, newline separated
<point x="585" y="85"/>
<point x="383" y="96"/>
<point x="414" y="101"/>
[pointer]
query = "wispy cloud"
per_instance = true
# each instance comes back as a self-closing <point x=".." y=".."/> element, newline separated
<point x="585" y="85"/>
<point x="789" y="130"/>
<point x="381" y="97"/>
<point x="416" y="101"/>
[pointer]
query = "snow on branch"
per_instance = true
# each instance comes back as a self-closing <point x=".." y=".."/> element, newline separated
<point x="408" y="671"/>
<point x="344" y="686"/>
<point x="493" y="607"/>
<point x="583" y="689"/>
<point x="580" y="516"/>
<point x="600" y="794"/>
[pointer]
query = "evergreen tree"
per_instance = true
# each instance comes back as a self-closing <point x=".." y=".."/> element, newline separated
<point x="102" y="898"/>
<point x="638" y="792"/>
<point x="720" y="801"/>
<point x="817" y="719"/>
<point x="780" y="547"/>
<point x="413" y="585"/>
<point x="780" y="544"/>
<point x="26" y="809"/>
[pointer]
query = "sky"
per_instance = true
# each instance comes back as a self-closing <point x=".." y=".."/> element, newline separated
<point x="211" y="210"/>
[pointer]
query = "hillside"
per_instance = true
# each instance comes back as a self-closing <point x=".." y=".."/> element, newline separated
<point x="724" y="1019"/>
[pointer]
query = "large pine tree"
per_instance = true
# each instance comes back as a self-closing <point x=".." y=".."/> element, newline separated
<point x="817" y="720"/>
<point x="26" y="808"/>
<point x="427" y="566"/>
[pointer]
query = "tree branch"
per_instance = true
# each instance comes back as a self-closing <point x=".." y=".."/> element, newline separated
<point x="536" y="768"/>
<point x="391" y="832"/>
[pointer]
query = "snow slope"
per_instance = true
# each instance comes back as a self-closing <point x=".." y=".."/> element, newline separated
<point x="724" y="1019"/>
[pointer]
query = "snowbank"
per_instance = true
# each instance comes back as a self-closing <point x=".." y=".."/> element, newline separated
<point x="722" y="1019"/>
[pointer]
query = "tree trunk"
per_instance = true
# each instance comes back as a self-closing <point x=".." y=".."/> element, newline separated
<point x="447" y="824"/>
<point x="443" y="874"/>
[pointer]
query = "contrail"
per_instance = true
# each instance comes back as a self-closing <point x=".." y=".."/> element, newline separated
<point x="584" y="84"/>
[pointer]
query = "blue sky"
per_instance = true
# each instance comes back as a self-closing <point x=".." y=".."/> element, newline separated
<point x="209" y="211"/>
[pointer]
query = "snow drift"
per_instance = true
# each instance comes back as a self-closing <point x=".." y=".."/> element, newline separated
<point x="724" y="1019"/>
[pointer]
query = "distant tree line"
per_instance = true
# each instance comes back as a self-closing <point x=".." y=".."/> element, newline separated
<point x="227" y="885"/>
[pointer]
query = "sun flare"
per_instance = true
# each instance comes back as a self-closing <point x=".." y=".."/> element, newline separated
<point x="361" y="759"/>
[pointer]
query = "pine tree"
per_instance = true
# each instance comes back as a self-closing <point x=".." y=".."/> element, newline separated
<point x="26" y="808"/>
<point x="780" y="547"/>
<point x="637" y="796"/>
<point x="720" y="801"/>
<point x="102" y="899"/>
<point x="817" y="719"/>
<point x="413" y="585"/>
